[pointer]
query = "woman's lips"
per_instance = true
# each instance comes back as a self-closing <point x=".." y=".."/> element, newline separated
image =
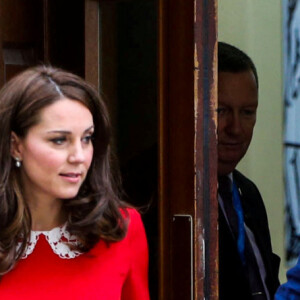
<point x="71" y="177"/>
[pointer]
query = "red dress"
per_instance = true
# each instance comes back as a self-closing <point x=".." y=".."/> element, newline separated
<point x="118" y="271"/>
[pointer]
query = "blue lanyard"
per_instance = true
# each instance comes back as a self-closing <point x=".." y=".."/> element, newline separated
<point x="241" y="228"/>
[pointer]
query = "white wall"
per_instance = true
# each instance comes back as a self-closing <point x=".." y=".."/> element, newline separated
<point x="255" y="27"/>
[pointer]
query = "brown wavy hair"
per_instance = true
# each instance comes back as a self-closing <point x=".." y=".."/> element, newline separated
<point x="97" y="211"/>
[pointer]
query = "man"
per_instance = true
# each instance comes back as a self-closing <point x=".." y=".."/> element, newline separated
<point x="247" y="267"/>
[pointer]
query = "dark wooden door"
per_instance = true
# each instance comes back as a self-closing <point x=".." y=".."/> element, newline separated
<point x="181" y="222"/>
<point x="158" y="73"/>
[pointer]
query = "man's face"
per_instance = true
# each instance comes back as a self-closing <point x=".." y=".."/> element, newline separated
<point x="237" y="104"/>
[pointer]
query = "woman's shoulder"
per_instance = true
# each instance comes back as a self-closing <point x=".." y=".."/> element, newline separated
<point x="133" y="220"/>
<point x="132" y="212"/>
<point x="131" y="216"/>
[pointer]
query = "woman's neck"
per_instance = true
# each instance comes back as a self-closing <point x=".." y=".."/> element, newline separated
<point x="46" y="215"/>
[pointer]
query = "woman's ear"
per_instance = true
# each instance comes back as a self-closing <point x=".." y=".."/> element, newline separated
<point x="15" y="146"/>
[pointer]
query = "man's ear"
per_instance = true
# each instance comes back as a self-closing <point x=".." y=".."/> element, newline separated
<point x="15" y="146"/>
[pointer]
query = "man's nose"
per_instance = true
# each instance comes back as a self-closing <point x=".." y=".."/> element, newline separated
<point x="235" y="124"/>
<point x="76" y="154"/>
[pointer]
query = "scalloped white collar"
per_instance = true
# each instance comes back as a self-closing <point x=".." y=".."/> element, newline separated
<point x="58" y="239"/>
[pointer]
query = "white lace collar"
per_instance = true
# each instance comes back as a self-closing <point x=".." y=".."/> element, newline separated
<point x="58" y="238"/>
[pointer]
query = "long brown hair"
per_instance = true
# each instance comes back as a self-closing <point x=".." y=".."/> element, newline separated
<point x="97" y="211"/>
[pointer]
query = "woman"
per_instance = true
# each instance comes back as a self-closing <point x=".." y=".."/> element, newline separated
<point x="64" y="232"/>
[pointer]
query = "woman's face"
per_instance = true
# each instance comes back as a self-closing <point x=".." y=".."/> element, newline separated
<point x="57" y="152"/>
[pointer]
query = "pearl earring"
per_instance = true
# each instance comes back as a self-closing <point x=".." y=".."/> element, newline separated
<point x="18" y="162"/>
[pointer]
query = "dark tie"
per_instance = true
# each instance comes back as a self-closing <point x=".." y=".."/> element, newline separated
<point x="250" y="266"/>
<point x="225" y="190"/>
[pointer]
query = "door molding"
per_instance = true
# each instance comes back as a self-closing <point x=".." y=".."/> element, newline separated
<point x="188" y="156"/>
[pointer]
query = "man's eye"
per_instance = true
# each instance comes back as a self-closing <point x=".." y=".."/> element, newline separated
<point x="58" y="141"/>
<point x="221" y="110"/>
<point x="249" y="112"/>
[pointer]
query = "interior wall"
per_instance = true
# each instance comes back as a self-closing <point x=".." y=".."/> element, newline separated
<point x="255" y="27"/>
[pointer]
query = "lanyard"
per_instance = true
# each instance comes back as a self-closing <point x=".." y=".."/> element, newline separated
<point x="241" y="228"/>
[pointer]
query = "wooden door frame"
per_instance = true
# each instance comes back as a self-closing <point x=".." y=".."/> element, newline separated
<point x="188" y="156"/>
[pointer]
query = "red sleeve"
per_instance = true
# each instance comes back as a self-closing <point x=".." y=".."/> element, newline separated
<point x="136" y="283"/>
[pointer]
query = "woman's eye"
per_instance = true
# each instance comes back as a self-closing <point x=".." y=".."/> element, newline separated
<point x="58" y="141"/>
<point x="87" y="139"/>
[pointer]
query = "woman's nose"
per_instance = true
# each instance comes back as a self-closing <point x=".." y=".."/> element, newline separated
<point x="76" y="154"/>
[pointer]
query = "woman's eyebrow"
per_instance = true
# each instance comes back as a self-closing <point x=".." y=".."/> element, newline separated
<point x="90" y="128"/>
<point x="59" y="131"/>
<point x="69" y="132"/>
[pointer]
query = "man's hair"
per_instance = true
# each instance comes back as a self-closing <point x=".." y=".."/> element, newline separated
<point x="232" y="59"/>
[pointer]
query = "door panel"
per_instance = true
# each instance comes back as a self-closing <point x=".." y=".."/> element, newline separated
<point x="21" y="36"/>
<point x="42" y="31"/>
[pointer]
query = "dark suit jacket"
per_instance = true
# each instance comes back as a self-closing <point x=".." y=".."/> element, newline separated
<point x="232" y="281"/>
